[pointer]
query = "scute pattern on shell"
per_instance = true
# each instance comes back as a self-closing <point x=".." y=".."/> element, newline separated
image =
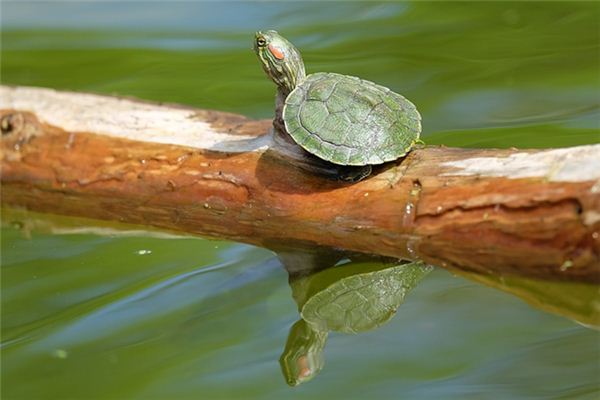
<point x="350" y="121"/>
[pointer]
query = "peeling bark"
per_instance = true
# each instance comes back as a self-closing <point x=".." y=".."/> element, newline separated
<point x="532" y="212"/>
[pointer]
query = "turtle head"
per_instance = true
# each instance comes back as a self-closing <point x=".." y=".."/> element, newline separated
<point x="280" y="59"/>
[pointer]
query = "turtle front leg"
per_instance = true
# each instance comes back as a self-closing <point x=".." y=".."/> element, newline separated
<point x="296" y="155"/>
<point x="354" y="173"/>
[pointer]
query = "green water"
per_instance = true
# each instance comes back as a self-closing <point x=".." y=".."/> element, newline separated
<point x="88" y="316"/>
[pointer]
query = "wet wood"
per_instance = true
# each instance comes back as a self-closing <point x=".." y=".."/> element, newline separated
<point x="533" y="212"/>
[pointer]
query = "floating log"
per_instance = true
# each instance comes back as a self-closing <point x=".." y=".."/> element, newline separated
<point x="216" y="174"/>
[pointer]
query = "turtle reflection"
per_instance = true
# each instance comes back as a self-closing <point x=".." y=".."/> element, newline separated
<point x="352" y="297"/>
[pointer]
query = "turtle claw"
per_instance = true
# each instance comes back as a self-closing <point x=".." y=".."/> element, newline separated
<point x="354" y="174"/>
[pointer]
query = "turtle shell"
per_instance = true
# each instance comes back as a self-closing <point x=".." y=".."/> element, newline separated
<point x="350" y="121"/>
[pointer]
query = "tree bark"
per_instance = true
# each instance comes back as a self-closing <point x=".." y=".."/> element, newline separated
<point x="531" y="212"/>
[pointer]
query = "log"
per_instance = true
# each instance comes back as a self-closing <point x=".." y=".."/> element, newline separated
<point x="531" y="212"/>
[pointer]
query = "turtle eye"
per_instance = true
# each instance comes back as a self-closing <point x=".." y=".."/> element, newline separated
<point x="261" y="41"/>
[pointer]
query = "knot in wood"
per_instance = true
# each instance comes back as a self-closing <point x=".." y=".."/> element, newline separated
<point x="11" y="123"/>
<point x="18" y="128"/>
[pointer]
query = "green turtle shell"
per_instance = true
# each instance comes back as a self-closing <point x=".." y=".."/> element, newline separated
<point x="350" y="121"/>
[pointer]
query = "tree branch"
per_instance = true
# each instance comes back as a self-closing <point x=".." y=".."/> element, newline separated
<point x="533" y="212"/>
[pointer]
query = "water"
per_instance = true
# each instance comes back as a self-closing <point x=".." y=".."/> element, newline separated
<point x="114" y="317"/>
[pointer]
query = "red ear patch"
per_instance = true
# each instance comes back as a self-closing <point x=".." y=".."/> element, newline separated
<point x="277" y="53"/>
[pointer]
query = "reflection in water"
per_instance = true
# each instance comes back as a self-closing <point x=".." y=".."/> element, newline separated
<point x="172" y="324"/>
<point x="353" y="293"/>
<point x="577" y="301"/>
<point x="351" y="297"/>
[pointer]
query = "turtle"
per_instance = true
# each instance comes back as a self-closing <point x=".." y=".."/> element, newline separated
<point x="354" y="297"/>
<point x="346" y="123"/>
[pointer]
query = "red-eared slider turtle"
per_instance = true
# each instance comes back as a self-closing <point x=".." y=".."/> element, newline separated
<point x="343" y="120"/>
<point x="351" y="298"/>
